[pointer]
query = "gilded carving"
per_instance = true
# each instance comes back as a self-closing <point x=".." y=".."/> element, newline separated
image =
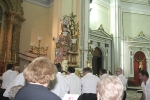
<point x="141" y="34"/>
<point x="101" y="27"/>
<point x="11" y="26"/>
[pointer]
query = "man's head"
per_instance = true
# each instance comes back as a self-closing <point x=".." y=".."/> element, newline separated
<point x="87" y="70"/>
<point x="143" y="75"/>
<point x="16" y="68"/>
<point x="118" y="71"/>
<point x="58" y="66"/>
<point x="109" y="88"/>
<point x="10" y="66"/>
<point x="40" y="70"/>
<point x="71" y="70"/>
<point x="102" y="71"/>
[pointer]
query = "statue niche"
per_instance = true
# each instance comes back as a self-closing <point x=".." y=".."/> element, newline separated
<point x="11" y="17"/>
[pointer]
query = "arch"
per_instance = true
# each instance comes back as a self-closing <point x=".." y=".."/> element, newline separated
<point x="98" y="59"/>
<point x="146" y="54"/>
<point x="139" y="64"/>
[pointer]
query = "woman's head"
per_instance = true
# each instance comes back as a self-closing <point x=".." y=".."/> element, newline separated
<point x="110" y="88"/>
<point x="40" y="70"/>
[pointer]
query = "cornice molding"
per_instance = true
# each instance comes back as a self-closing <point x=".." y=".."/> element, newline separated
<point x="44" y="3"/>
<point x="103" y="3"/>
<point x="142" y="2"/>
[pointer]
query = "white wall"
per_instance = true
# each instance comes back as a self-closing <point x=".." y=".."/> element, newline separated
<point x="99" y="15"/>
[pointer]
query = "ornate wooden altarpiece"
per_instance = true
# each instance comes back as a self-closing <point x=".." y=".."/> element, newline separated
<point x="12" y="17"/>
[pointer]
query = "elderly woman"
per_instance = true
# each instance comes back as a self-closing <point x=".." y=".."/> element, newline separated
<point x="109" y="88"/>
<point x="38" y="75"/>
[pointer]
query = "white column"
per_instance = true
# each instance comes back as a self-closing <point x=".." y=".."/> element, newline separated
<point x="147" y="65"/>
<point x="55" y="26"/>
<point x="85" y="28"/>
<point x="115" y="30"/>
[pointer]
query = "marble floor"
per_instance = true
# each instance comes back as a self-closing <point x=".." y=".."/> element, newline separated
<point x="132" y="93"/>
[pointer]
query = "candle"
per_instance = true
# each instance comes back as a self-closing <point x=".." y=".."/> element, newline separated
<point x="65" y="33"/>
<point x="39" y="38"/>
<point x="10" y="56"/>
<point x="73" y="41"/>
<point x="5" y="57"/>
<point x="88" y="64"/>
<point x="31" y="43"/>
<point x="56" y="40"/>
<point x="15" y="58"/>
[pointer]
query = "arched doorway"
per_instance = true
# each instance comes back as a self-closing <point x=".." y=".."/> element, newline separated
<point x="139" y="64"/>
<point x="96" y="61"/>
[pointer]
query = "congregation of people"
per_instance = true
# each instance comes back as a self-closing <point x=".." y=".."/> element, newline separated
<point x="43" y="80"/>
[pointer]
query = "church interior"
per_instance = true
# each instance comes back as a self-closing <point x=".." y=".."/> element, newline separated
<point x="79" y="33"/>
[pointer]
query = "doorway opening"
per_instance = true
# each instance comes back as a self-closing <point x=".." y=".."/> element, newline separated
<point x="97" y="61"/>
<point x="139" y="64"/>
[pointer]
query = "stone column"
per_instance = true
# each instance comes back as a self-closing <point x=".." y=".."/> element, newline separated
<point x="85" y="29"/>
<point x="115" y="30"/>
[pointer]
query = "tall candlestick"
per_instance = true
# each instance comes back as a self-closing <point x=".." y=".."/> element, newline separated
<point x="4" y="57"/>
<point x="10" y="57"/>
<point x="15" y="58"/>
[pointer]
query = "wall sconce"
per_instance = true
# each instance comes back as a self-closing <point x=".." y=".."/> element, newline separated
<point x="106" y="46"/>
<point x="38" y="47"/>
<point x="91" y="49"/>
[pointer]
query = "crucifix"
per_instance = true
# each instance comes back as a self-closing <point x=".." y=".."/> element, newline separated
<point x="140" y="60"/>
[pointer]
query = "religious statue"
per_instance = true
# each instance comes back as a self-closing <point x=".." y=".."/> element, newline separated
<point x="140" y="63"/>
<point x="64" y="65"/>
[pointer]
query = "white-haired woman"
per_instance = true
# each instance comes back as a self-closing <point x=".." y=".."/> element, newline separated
<point x="110" y="88"/>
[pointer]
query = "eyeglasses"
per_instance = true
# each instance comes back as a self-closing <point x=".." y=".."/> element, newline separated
<point x="118" y="71"/>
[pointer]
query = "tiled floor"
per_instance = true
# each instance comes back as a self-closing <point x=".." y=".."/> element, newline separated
<point x="132" y="93"/>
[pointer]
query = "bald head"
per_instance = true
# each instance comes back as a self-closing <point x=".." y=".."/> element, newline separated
<point x="16" y="68"/>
